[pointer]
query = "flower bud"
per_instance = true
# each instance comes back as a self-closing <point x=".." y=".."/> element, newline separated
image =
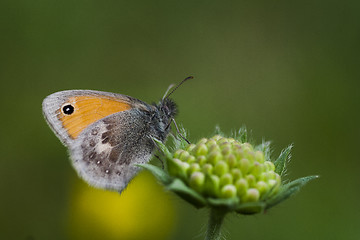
<point x="202" y="141"/>
<point x="251" y="180"/>
<point x="259" y="156"/>
<point x="212" y="185"/>
<point x="201" y="149"/>
<point x="207" y="168"/>
<point x="242" y="187"/>
<point x="248" y="147"/>
<point x="222" y="140"/>
<point x="226" y="179"/>
<point x="178" y="152"/>
<point x="250" y="155"/>
<point x="236" y="173"/>
<point x="269" y="166"/>
<point x="257" y="169"/>
<point x="184" y="155"/>
<point x="211" y="142"/>
<point x="262" y="187"/>
<point x="274" y="186"/>
<point x="228" y="191"/>
<point x="272" y="175"/>
<point x="231" y="160"/>
<point x="190" y="148"/>
<point x="252" y="195"/>
<point x="194" y="167"/>
<point x="214" y="148"/>
<point x="201" y="160"/>
<point x="214" y="157"/>
<point x="226" y="150"/>
<point x="244" y="165"/>
<point x="265" y="176"/>
<point x="239" y="152"/>
<point x="221" y="168"/>
<point x="191" y="159"/>
<point x="197" y="180"/>
<point x="178" y="168"/>
<point x="216" y="137"/>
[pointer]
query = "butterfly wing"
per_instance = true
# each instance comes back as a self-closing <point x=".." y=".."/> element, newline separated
<point x="106" y="134"/>
<point x="87" y="107"/>
<point x="104" y="154"/>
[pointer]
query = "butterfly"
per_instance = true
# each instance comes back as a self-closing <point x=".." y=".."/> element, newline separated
<point x="107" y="134"/>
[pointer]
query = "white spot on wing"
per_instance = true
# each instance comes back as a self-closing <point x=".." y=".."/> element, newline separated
<point x="100" y="147"/>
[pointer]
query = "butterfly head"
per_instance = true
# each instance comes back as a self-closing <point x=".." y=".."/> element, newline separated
<point x="167" y="108"/>
<point x="165" y="113"/>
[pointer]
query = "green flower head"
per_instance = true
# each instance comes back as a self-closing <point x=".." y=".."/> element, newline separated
<point x="227" y="172"/>
<point x="224" y="168"/>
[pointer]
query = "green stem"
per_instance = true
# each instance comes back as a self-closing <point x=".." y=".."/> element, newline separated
<point x="214" y="225"/>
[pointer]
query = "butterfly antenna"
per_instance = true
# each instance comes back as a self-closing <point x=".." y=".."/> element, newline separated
<point x="166" y="96"/>
<point x="167" y="91"/>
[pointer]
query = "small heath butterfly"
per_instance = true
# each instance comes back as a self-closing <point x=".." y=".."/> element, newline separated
<point x="107" y="134"/>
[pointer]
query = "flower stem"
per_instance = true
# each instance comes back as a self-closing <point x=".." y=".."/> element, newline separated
<point x="214" y="225"/>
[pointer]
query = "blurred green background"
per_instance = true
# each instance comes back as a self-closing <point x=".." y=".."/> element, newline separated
<point x="288" y="70"/>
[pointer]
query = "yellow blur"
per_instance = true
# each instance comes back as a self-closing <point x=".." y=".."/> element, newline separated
<point x="142" y="211"/>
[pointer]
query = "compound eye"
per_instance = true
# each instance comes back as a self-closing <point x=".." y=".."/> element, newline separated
<point x="68" y="109"/>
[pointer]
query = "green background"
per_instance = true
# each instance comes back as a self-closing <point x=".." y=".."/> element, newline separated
<point x="288" y="70"/>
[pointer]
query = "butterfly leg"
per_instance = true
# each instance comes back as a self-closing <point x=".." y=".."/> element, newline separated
<point x="178" y="131"/>
<point x="161" y="161"/>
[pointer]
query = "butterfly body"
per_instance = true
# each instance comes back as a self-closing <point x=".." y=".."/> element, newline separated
<point x="107" y="134"/>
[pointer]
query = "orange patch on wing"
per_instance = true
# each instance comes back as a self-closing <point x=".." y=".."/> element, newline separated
<point x="87" y="110"/>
